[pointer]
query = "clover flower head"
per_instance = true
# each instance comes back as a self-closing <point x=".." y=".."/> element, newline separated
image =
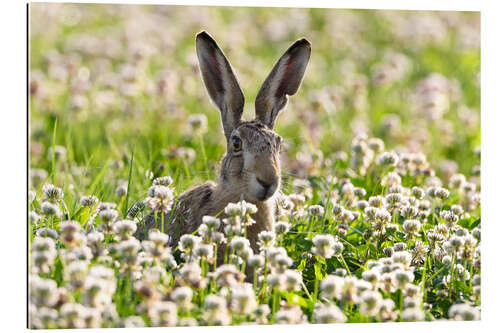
<point x="228" y="275"/>
<point x="370" y="302"/>
<point x="50" y="209"/>
<point x="329" y="314"/>
<point x="182" y="297"/>
<point x="464" y="312"/>
<point x="375" y="144"/>
<point x="388" y="158"/>
<point x="282" y="227"/>
<point x="198" y="123"/>
<point x="205" y="251"/>
<point x="412" y="314"/>
<point x="331" y="286"/>
<point x="188" y="242"/>
<point x="164" y="181"/>
<point x="52" y="193"/>
<point x="211" y="222"/>
<point x="163" y="313"/>
<point x="124" y="228"/>
<point x="376" y="201"/>
<point x="418" y="192"/>
<point x="108" y="215"/>
<point x="257" y="260"/>
<point x="266" y="239"/>
<point x="316" y="210"/>
<point x="89" y="200"/>
<point x="243" y="299"/>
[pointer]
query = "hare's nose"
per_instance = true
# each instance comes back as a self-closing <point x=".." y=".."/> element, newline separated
<point x="264" y="184"/>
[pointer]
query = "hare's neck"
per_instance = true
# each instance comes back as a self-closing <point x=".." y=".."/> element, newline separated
<point x="264" y="218"/>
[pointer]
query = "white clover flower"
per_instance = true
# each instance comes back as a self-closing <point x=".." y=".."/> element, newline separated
<point x="73" y="314"/>
<point x="43" y="244"/>
<point x="43" y="292"/>
<point x="403" y="278"/>
<point x="297" y="199"/>
<point x="134" y="322"/>
<point x="417" y="192"/>
<point x="402" y="257"/>
<point x="52" y="193"/>
<point x="89" y="201"/>
<point x="282" y="227"/>
<point x="239" y="243"/>
<point x="326" y="246"/>
<point x="454" y="244"/>
<point x="191" y="273"/>
<point x="216" y="311"/>
<point x="376" y="201"/>
<point x="163" y="313"/>
<point x="158" y="238"/>
<point x="328" y="314"/>
<point x="33" y="217"/>
<point x="370" y="303"/>
<point x="160" y="198"/>
<point x="76" y="273"/>
<point x="182" y="297"/>
<point x="243" y="299"/>
<point x="124" y="228"/>
<point x="372" y="276"/>
<point x="108" y="215"/>
<point x="388" y="158"/>
<point x="276" y="281"/>
<point x="205" y="251"/>
<point x="127" y="251"/>
<point x="59" y="152"/>
<point x="44" y="317"/>
<point x="233" y="209"/>
<point x="248" y="207"/>
<point x="198" y="123"/>
<point x="50" y="209"/>
<point x="211" y="222"/>
<point x="412" y="314"/>
<point x="292" y="280"/>
<point x="331" y="287"/>
<point x="290" y="315"/>
<point x="214" y="303"/>
<point x="165" y="181"/>
<point x="464" y="312"/>
<point x="188" y="242"/>
<point x="256" y="260"/>
<point x="280" y="262"/>
<point x="316" y="210"/>
<point x="261" y="313"/>
<point x="411" y="227"/>
<point x="266" y="239"/>
<point x="121" y="190"/>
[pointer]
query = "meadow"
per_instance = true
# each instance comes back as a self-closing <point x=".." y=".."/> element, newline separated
<point x="380" y="214"/>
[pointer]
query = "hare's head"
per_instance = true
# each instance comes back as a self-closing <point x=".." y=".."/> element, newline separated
<point x="251" y="166"/>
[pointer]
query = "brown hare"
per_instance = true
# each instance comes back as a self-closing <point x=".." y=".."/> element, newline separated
<point x="250" y="170"/>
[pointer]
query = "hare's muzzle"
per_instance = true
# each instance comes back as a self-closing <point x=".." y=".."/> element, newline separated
<point x="268" y="188"/>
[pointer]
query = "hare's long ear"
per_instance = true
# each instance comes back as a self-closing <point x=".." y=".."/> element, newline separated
<point x="284" y="80"/>
<point x="220" y="81"/>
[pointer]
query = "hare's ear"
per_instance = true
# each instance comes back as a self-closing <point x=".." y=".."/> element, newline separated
<point x="284" y="80"/>
<point x="220" y="81"/>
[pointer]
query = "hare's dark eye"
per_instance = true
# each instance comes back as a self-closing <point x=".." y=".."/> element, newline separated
<point x="237" y="144"/>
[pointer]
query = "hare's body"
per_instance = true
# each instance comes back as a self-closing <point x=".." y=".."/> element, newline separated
<point x="250" y="170"/>
<point x="208" y="199"/>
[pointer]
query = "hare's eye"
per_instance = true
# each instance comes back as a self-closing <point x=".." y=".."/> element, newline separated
<point x="237" y="144"/>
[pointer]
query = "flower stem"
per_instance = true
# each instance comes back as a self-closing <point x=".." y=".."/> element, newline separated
<point x="345" y="265"/>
